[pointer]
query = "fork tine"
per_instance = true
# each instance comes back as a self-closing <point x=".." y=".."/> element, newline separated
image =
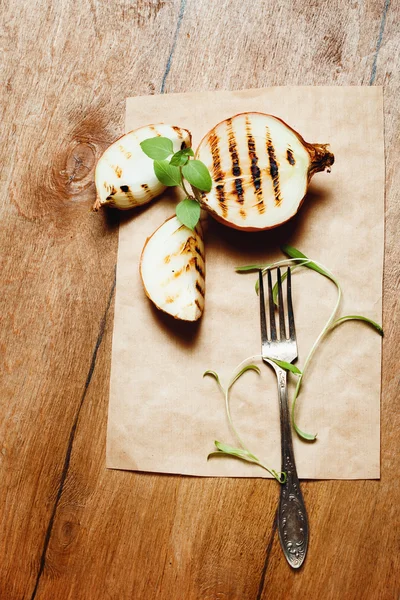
<point x="282" y="329"/>
<point x="292" y="330"/>
<point x="271" y="308"/>
<point x="264" y="336"/>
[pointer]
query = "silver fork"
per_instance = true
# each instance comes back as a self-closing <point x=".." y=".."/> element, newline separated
<point x="292" y="514"/>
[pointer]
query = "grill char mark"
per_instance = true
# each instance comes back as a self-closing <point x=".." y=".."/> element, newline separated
<point x="125" y="152"/>
<point x="195" y="262"/>
<point x="127" y="190"/>
<point x="190" y="247"/>
<point x="221" y="199"/>
<point x="254" y="168"/>
<point x="154" y="130"/>
<point x="200" y="270"/>
<point x="199" y="252"/>
<point x="178" y="131"/>
<point x="290" y="157"/>
<point x="147" y="190"/>
<point x="273" y="168"/>
<point x="218" y="174"/>
<point x="236" y="170"/>
<point x="199" y="288"/>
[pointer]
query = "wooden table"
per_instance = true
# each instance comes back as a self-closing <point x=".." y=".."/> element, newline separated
<point x="70" y="529"/>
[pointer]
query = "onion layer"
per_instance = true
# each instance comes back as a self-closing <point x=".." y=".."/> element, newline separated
<point x="172" y="269"/>
<point x="125" y="175"/>
<point x="260" y="168"/>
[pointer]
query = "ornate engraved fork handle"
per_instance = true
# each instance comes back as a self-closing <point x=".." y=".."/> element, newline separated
<point x="292" y="514"/>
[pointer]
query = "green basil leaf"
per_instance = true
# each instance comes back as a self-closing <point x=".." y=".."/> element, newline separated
<point x="358" y="318"/>
<point x="221" y="453"/>
<point x="249" y="268"/>
<point x="246" y="368"/>
<point x="284" y="276"/>
<point x="285" y="365"/>
<point x="234" y="451"/>
<point x="197" y="175"/>
<point x="294" y="253"/>
<point x="306" y="436"/>
<point x="188" y="151"/>
<point x="157" y="148"/>
<point x="281" y="477"/>
<point x="166" y="173"/>
<point x="188" y="212"/>
<point x="179" y="159"/>
<point x="275" y="289"/>
<point x="212" y="374"/>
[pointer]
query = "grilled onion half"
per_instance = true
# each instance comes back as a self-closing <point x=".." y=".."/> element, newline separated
<point x="172" y="269"/>
<point x="125" y="176"/>
<point x="260" y="169"/>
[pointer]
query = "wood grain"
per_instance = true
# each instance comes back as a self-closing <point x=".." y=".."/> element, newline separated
<point x="70" y="529"/>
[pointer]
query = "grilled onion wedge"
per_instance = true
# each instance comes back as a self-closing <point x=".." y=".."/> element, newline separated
<point x="172" y="269"/>
<point x="125" y="176"/>
<point x="260" y="169"/>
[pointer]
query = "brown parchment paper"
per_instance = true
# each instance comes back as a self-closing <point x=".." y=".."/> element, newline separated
<point x="163" y="416"/>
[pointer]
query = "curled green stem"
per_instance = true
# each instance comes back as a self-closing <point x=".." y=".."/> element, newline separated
<point x="242" y="453"/>
<point x="183" y="185"/>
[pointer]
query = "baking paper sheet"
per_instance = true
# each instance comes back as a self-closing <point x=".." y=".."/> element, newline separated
<point x="163" y="415"/>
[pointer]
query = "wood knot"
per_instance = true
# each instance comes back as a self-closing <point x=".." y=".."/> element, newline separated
<point x="80" y="161"/>
<point x="68" y="532"/>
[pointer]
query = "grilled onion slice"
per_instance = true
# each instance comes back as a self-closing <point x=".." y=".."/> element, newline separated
<point x="125" y="175"/>
<point x="172" y="269"/>
<point x="260" y="168"/>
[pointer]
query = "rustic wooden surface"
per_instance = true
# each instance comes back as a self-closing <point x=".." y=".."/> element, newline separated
<point x="70" y="529"/>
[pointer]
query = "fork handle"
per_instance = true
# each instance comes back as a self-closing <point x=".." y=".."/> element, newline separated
<point x="292" y="514"/>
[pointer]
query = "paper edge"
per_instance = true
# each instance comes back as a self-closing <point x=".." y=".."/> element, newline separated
<point x="375" y="90"/>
